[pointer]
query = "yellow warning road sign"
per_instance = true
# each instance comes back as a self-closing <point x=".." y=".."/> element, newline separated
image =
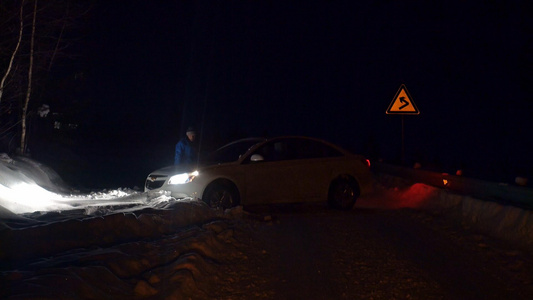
<point x="403" y="104"/>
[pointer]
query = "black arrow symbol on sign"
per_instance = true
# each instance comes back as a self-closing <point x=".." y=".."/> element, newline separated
<point x="405" y="102"/>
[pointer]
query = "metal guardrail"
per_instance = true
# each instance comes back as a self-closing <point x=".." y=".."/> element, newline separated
<point x="480" y="189"/>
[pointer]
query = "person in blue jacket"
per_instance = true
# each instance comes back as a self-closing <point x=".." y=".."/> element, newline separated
<point x="186" y="150"/>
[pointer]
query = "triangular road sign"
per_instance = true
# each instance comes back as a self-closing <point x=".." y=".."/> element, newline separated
<point x="403" y="104"/>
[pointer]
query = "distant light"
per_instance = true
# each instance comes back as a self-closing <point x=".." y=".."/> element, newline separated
<point x="445" y="181"/>
<point x="368" y="163"/>
<point x="522" y="181"/>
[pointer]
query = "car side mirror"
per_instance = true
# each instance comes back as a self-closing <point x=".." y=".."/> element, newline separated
<point x="257" y="158"/>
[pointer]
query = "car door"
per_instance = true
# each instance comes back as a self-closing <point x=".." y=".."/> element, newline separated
<point x="271" y="180"/>
<point x="314" y="163"/>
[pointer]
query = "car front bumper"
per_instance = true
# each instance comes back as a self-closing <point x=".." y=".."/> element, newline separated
<point x="186" y="190"/>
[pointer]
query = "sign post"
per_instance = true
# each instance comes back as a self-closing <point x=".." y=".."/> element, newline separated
<point x="402" y="104"/>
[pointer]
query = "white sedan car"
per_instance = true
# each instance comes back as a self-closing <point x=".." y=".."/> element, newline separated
<point x="277" y="170"/>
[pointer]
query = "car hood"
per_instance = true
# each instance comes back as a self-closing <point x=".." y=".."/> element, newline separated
<point x="177" y="169"/>
<point x="174" y="170"/>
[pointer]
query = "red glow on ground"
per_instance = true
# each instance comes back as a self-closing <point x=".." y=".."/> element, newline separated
<point x="414" y="196"/>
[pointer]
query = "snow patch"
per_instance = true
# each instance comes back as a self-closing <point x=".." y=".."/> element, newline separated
<point x="504" y="222"/>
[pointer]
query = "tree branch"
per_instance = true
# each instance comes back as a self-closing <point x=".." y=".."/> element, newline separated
<point x="2" y="83"/>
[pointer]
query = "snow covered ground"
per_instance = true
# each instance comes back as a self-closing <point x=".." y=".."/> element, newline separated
<point x="56" y="243"/>
<point x="506" y="222"/>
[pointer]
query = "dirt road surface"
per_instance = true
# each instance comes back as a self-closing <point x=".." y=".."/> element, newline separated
<point x="308" y="252"/>
<point x="282" y="252"/>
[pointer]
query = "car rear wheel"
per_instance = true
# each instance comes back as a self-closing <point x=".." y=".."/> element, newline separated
<point x="221" y="195"/>
<point x="343" y="193"/>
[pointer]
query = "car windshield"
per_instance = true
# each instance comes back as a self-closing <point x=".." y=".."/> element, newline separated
<point x="230" y="152"/>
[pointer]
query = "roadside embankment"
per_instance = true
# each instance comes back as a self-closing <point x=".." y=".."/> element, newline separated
<point x="501" y="211"/>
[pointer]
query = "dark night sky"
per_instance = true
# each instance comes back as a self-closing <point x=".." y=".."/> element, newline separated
<point x="327" y="69"/>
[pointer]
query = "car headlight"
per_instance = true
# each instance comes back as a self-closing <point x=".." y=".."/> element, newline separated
<point x="183" y="178"/>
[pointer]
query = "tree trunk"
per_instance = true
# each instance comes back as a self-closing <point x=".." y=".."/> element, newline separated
<point x="28" y="93"/>
<point x="3" y="82"/>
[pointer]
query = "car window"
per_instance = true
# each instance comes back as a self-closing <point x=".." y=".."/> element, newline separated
<point x="292" y="149"/>
<point x="231" y="152"/>
<point x="306" y="149"/>
<point x="274" y="151"/>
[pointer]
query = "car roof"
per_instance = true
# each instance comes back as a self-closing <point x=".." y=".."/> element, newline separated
<point x="312" y="139"/>
<point x="251" y="139"/>
<point x="262" y="141"/>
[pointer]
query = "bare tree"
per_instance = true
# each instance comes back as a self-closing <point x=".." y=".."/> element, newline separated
<point x="27" y="56"/>
<point x="10" y="65"/>
<point x="30" y="73"/>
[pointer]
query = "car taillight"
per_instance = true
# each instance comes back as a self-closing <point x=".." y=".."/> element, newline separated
<point x="367" y="161"/>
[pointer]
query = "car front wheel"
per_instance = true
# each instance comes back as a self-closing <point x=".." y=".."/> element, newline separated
<point x="221" y="195"/>
<point x="343" y="193"/>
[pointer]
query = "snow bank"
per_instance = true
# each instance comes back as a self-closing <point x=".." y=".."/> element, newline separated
<point x="36" y="208"/>
<point x="20" y="168"/>
<point x="110" y="244"/>
<point x="504" y="222"/>
<point x="185" y="263"/>
<point x="27" y="186"/>
<point x="50" y="236"/>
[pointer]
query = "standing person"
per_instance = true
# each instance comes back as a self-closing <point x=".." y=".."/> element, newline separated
<point x="186" y="149"/>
